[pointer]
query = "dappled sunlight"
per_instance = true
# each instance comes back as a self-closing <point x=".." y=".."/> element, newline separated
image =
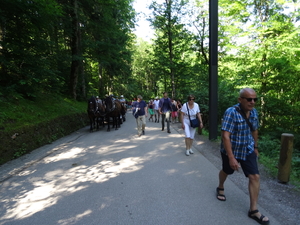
<point x="192" y="173"/>
<point x="70" y="169"/>
<point x="72" y="153"/>
<point x="165" y="146"/>
<point x="173" y="135"/>
<point x="31" y="202"/>
<point x="171" y="171"/>
<point x="26" y="173"/>
<point x="115" y="149"/>
<point x="199" y="142"/>
<point x="76" y="218"/>
<point x="57" y="184"/>
<point x="122" y="141"/>
<point x="157" y="152"/>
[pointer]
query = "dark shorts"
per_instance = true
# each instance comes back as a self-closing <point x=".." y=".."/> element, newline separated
<point x="249" y="166"/>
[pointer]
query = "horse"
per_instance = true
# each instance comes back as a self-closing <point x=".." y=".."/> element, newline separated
<point x="113" y="109"/>
<point x="96" y="112"/>
<point x="123" y="111"/>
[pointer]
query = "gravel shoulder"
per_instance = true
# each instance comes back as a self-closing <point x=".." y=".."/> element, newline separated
<point x="281" y="200"/>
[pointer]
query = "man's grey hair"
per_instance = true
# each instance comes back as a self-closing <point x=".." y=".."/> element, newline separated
<point x="139" y="96"/>
<point x="244" y="90"/>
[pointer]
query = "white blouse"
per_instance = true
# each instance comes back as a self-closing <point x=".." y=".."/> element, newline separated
<point x="192" y="111"/>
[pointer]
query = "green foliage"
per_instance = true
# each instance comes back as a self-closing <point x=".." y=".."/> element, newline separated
<point x="28" y="124"/>
<point x="81" y="48"/>
<point x="258" y="48"/>
<point x="269" y="146"/>
<point x="296" y="165"/>
<point x="22" y="112"/>
<point x="50" y="47"/>
<point x="21" y="151"/>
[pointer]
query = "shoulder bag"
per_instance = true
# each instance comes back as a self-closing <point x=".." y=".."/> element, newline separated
<point x="135" y="112"/>
<point x="245" y="117"/>
<point x="194" y="122"/>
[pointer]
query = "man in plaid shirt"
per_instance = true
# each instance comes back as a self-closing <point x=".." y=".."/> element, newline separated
<point x="239" y="148"/>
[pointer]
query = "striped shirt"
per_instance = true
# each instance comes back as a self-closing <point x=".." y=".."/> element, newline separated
<point x="241" y="138"/>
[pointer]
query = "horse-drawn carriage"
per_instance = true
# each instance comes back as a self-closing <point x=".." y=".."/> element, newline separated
<point x="106" y="112"/>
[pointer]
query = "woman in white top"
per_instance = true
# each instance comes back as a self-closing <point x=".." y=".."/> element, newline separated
<point x="194" y="112"/>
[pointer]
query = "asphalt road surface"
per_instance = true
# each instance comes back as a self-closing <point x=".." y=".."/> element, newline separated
<point x="117" y="177"/>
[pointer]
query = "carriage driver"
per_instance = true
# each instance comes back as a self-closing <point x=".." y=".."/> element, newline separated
<point x="98" y="101"/>
<point x="123" y="100"/>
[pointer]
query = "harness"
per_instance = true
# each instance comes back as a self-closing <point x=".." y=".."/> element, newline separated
<point x="113" y="105"/>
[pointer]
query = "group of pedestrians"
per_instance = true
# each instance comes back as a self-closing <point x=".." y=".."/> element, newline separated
<point x="165" y="108"/>
<point x="239" y="145"/>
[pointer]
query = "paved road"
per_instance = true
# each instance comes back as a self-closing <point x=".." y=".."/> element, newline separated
<point x="117" y="178"/>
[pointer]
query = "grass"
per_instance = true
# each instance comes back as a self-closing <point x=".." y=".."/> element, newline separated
<point x="271" y="164"/>
<point x="17" y="113"/>
<point x="26" y="125"/>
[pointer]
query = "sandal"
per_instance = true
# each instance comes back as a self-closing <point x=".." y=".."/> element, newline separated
<point x="259" y="220"/>
<point x="223" y="198"/>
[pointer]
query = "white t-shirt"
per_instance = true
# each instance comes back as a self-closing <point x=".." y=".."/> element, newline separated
<point x="156" y="104"/>
<point x="192" y="111"/>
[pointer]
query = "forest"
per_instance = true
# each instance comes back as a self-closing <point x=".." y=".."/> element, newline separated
<point x="79" y="48"/>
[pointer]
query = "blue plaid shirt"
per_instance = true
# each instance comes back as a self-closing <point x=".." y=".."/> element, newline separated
<point x="242" y="141"/>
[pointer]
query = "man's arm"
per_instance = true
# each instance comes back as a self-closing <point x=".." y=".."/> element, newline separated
<point x="228" y="147"/>
<point x="159" y="106"/>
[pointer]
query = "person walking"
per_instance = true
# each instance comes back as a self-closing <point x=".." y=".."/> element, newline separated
<point x="179" y="106"/>
<point x="165" y="109"/>
<point x="239" y="148"/>
<point x="140" y="109"/>
<point x="189" y="111"/>
<point x="156" y="109"/>
<point x="151" y="109"/>
<point x="174" y="110"/>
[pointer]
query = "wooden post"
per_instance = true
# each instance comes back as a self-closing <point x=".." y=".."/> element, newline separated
<point x="285" y="160"/>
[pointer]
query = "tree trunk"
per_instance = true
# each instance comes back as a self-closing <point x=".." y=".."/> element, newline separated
<point x="170" y="46"/>
<point x="74" y="49"/>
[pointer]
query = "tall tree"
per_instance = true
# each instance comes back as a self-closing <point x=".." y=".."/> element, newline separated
<point x="167" y="23"/>
<point x="75" y="47"/>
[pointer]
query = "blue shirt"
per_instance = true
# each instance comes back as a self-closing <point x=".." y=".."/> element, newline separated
<point x="141" y="105"/>
<point x="165" y="105"/>
<point x="241" y="138"/>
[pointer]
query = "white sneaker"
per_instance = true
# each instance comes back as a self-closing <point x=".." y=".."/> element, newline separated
<point x="187" y="152"/>
<point x="191" y="151"/>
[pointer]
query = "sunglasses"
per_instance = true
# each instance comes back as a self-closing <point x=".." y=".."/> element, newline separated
<point x="250" y="99"/>
<point x="192" y="99"/>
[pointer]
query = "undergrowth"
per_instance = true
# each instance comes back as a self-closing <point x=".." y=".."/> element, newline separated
<point x="16" y="113"/>
<point x="28" y="124"/>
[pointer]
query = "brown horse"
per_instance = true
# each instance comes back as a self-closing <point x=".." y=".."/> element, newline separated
<point x="123" y="111"/>
<point x="96" y="113"/>
<point x="113" y="110"/>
